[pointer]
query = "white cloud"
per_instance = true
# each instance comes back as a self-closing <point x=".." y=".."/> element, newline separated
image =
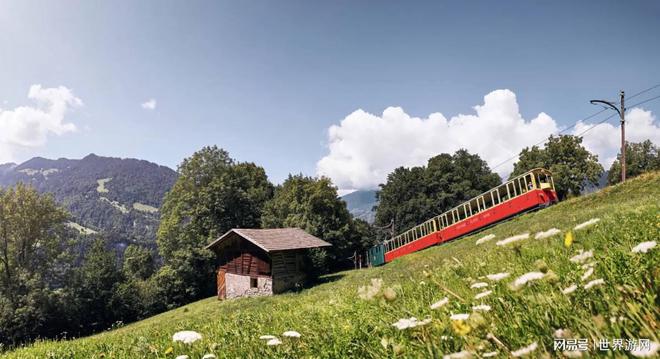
<point x="605" y="139"/>
<point x="27" y="127"/>
<point x="149" y="105"/>
<point x="364" y="148"/>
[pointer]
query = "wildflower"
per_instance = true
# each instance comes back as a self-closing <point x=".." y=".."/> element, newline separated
<point x="410" y="323"/>
<point x="568" y="239"/>
<point x="588" y="265"/>
<point x="389" y="294"/>
<point x="479" y="285"/>
<point x="460" y="316"/>
<point x="644" y="247"/>
<point x="572" y="353"/>
<point x="524" y="350"/>
<point x="182" y="357"/>
<point x="483" y="294"/>
<point x="460" y="327"/>
<point x="186" y="336"/>
<point x="523" y="279"/>
<point x="481" y="307"/>
<point x="267" y="337"/>
<point x="582" y="256"/>
<point x="588" y="273"/>
<point x="169" y="350"/>
<point x="541" y="265"/>
<point x="489" y="354"/>
<point x="569" y="289"/>
<point x="594" y="282"/>
<point x="485" y="239"/>
<point x="273" y="342"/>
<point x="440" y="303"/>
<point x="291" y="334"/>
<point x="551" y="277"/>
<point x="369" y="292"/>
<point x="209" y="356"/>
<point x="497" y="276"/>
<point x="512" y="239"/>
<point x="460" y="355"/>
<point x="587" y="223"/>
<point x="646" y="352"/>
<point x="547" y="234"/>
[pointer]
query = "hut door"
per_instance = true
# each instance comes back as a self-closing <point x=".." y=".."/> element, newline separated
<point x="221" y="284"/>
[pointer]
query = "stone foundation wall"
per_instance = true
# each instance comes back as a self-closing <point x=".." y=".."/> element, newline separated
<point x="239" y="286"/>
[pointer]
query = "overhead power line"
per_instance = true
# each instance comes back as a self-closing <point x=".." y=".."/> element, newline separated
<point x="587" y="118"/>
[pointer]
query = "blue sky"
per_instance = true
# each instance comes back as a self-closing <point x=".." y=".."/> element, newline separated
<point x="266" y="80"/>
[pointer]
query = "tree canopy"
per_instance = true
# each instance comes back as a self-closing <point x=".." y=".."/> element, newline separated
<point x="572" y="166"/>
<point x="640" y="157"/>
<point x="312" y="204"/>
<point x="413" y="195"/>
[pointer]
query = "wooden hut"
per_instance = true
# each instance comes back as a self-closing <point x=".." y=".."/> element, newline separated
<point x="255" y="262"/>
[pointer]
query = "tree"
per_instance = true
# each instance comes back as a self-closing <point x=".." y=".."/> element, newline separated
<point x="413" y="195"/>
<point x="32" y="247"/>
<point x="640" y="157"/>
<point x="212" y="195"/>
<point x="312" y="204"/>
<point x="138" y="262"/>
<point x="572" y="166"/>
<point x="94" y="285"/>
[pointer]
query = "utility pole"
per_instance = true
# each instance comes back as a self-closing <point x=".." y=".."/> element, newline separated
<point x="622" y="116"/>
<point x="622" y="113"/>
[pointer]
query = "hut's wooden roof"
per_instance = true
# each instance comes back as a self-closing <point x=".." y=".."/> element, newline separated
<point x="275" y="239"/>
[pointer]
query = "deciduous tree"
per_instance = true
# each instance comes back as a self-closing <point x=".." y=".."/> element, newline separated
<point x="640" y="157"/>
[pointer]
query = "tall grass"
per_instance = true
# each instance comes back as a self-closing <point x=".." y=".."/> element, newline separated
<point x="334" y="321"/>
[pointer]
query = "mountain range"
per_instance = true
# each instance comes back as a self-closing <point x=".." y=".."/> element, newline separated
<point x="361" y="204"/>
<point x="115" y="198"/>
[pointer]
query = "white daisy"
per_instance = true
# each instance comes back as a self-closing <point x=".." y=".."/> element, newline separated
<point x="440" y="303"/>
<point x="273" y="342"/>
<point x="527" y="277"/>
<point x="547" y="234"/>
<point x="587" y="223"/>
<point x="267" y="337"/>
<point x="291" y="334"/>
<point x="460" y="355"/>
<point x="489" y="354"/>
<point x="594" y="282"/>
<point x="524" y="350"/>
<point x="588" y="265"/>
<point x="483" y="294"/>
<point x="485" y="239"/>
<point x="588" y="273"/>
<point x="572" y="353"/>
<point x="481" y="308"/>
<point x="646" y="352"/>
<point x="479" y="285"/>
<point x="582" y="256"/>
<point x="411" y="322"/>
<point x="644" y="247"/>
<point x="460" y="316"/>
<point x="209" y="356"/>
<point x="512" y="239"/>
<point x="497" y="276"/>
<point x="182" y="357"/>
<point x="569" y="289"/>
<point x="186" y="336"/>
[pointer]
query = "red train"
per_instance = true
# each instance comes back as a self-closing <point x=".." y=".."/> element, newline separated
<point x="528" y="191"/>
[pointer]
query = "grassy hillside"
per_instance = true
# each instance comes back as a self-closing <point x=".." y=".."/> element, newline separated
<point x="334" y="321"/>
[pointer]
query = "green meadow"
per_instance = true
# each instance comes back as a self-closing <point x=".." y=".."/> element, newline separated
<point x="352" y="313"/>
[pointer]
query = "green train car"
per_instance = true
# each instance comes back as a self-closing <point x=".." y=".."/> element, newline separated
<point x="376" y="255"/>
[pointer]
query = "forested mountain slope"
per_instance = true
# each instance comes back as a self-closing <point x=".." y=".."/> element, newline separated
<point x="117" y="198"/>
